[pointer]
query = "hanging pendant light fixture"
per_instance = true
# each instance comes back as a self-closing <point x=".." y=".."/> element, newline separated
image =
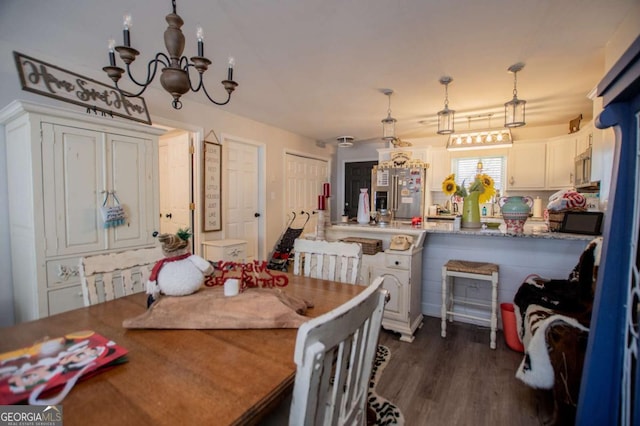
<point x="389" y="123"/>
<point x="175" y="77"/>
<point x="514" y="109"/>
<point x="480" y="138"/>
<point x="446" y="116"/>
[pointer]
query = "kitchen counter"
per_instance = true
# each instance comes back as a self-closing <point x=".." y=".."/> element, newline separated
<point x="537" y="251"/>
<point x="533" y="229"/>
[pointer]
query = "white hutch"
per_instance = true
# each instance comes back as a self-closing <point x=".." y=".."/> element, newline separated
<point x="60" y="166"/>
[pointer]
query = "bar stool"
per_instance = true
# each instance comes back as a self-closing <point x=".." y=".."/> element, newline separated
<point x="482" y="271"/>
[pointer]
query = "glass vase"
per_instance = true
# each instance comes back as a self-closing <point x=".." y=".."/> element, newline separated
<point x="471" y="211"/>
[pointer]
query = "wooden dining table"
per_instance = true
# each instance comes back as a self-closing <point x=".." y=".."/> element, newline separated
<point x="194" y="377"/>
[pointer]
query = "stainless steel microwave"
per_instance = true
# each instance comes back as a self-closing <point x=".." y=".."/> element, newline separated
<point x="583" y="169"/>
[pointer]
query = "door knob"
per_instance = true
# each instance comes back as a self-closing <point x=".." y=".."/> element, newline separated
<point x="256" y="215"/>
<point x="168" y="215"/>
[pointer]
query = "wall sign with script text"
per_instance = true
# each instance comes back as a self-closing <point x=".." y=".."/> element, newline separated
<point x="212" y="187"/>
<point x="52" y="81"/>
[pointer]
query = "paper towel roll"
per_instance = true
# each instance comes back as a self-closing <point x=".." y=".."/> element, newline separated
<point x="537" y="207"/>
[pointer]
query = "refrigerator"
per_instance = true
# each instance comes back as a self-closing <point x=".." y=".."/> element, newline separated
<point x="401" y="190"/>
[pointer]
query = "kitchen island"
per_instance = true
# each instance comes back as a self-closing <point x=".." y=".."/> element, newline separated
<point x="548" y="254"/>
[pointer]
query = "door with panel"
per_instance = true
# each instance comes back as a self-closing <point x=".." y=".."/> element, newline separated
<point x="74" y="192"/>
<point x="242" y="215"/>
<point x="356" y="175"/>
<point x="176" y="180"/>
<point x="304" y="179"/>
<point x="82" y="170"/>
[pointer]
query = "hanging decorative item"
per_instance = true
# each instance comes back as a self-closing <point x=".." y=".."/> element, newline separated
<point x="112" y="213"/>
<point x="514" y="109"/>
<point x="446" y="116"/>
<point x="54" y="82"/>
<point x="212" y="185"/>
<point x="174" y="66"/>
<point x="388" y="123"/>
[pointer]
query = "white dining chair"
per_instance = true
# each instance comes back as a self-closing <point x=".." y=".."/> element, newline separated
<point x="108" y="276"/>
<point x="334" y="356"/>
<point x="329" y="260"/>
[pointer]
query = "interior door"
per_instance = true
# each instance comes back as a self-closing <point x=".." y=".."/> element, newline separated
<point x="356" y="175"/>
<point x="304" y="179"/>
<point x="242" y="215"/>
<point x="175" y="182"/>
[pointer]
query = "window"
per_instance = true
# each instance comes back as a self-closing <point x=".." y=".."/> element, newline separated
<point x="467" y="168"/>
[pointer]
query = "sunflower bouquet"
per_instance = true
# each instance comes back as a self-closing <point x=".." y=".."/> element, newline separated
<point x="482" y="184"/>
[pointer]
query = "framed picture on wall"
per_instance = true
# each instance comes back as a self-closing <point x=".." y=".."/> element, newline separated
<point x="212" y="186"/>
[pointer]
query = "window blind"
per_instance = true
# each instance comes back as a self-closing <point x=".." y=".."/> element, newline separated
<point x="467" y="168"/>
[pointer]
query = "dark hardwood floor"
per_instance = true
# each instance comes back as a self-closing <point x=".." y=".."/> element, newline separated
<point x="459" y="380"/>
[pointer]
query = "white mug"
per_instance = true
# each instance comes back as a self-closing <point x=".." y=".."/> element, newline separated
<point x="232" y="287"/>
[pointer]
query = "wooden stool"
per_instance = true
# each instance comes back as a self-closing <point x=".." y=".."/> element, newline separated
<point x="475" y="270"/>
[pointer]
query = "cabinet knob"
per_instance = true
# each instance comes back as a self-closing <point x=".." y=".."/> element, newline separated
<point x="256" y="215"/>
<point x="397" y="263"/>
<point x="168" y="215"/>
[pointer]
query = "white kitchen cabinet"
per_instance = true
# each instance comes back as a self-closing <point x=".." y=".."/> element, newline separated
<point x="402" y="272"/>
<point x="60" y="165"/>
<point x="560" y="165"/>
<point x="439" y="167"/>
<point x="584" y="138"/>
<point x="526" y="166"/>
<point x="225" y="250"/>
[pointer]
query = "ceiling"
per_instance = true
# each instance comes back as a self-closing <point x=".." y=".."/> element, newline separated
<point x="317" y="67"/>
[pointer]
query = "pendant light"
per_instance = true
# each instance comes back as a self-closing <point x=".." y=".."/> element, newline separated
<point x="514" y="109"/>
<point x="389" y="123"/>
<point x="446" y="116"/>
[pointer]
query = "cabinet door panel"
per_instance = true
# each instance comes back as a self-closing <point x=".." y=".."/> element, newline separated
<point x="65" y="299"/>
<point x="73" y="182"/>
<point x="560" y="162"/>
<point x="129" y="168"/>
<point x="526" y="166"/>
<point x="395" y="282"/>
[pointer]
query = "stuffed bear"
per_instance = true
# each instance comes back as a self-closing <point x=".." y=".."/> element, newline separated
<point x="180" y="272"/>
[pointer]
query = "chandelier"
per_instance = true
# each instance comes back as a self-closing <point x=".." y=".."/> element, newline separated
<point x="514" y="109"/>
<point x="446" y="116"/>
<point x="389" y="123"/>
<point x="175" y="77"/>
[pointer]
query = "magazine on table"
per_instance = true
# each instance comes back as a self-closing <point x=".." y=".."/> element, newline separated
<point x="45" y="372"/>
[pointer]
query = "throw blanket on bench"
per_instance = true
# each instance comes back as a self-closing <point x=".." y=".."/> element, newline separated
<point x="551" y="313"/>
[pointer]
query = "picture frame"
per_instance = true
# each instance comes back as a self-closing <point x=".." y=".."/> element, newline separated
<point x="211" y="186"/>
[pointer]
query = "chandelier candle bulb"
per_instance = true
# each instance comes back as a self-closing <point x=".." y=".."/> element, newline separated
<point x="232" y="62"/>
<point x="112" y="55"/>
<point x="127" y="25"/>
<point x="200" y="37"/>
